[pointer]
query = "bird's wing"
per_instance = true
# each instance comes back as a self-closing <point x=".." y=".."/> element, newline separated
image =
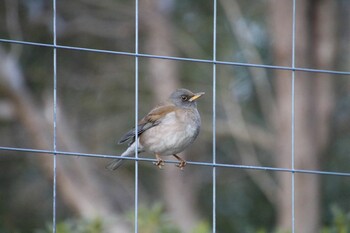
<point x="152" y="119"/>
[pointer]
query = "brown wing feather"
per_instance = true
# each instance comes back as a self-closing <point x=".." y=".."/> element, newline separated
<point x="153" y="118"/>
<point x="158" y="112"/>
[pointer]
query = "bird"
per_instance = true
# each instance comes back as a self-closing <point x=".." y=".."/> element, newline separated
<point x="167" y="129"/>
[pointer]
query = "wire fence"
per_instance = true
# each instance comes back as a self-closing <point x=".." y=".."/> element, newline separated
<point x="54" y="152"/>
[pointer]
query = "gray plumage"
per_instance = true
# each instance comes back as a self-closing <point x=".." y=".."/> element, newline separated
<point x="166" y="130"/>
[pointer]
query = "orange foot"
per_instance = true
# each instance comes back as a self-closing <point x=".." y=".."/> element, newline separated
<point x="160" y="162"/>
<point x="182" y="162"/>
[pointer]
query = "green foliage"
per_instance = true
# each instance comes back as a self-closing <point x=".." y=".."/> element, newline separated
<point x="76" y="226"/>
<point x="152" y="219"/>
<point x="202" y="227"/>
<point x="340" y="221"/>
<point x="155" y="220"/>
<point x="285" y="231"/>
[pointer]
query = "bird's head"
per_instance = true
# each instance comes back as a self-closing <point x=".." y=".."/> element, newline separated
<point x="185" y="98"/>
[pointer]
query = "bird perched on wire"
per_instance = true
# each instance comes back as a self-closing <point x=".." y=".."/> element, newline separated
<point x="166" y="130"/>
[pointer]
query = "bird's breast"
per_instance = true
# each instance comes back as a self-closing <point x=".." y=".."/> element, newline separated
<point x="173" y="134"/>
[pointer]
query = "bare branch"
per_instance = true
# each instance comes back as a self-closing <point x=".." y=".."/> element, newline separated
<point x="257" y="136"/>
<point x="13" y="25"/>
<point x="237" y="125"/>
<point x="7" y="110"/>
<point x="239" y="28"/>
<point x="75" y="178"/>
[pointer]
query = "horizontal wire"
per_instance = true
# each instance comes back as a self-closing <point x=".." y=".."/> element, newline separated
<point x="218" y="62"/>
<point x="177" y="59"/>
<point x="206" y="164"/>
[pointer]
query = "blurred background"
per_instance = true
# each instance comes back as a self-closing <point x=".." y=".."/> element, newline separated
<point x="96" y="105"/>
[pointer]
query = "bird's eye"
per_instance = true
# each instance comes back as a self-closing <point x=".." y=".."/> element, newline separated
<point x="184" y="98"/>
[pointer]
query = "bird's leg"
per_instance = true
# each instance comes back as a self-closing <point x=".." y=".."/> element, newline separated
<point x="182" y="162"/>
<point x="160" y="162"/>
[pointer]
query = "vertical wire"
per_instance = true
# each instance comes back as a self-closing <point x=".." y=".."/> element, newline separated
<point x="293" y="117"/>
<point x="54" y="119"/>
<point x="136" y="111"/>
<point x="214" y="114"/>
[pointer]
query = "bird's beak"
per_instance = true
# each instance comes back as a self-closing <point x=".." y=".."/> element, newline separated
<point x="196" y="96"/>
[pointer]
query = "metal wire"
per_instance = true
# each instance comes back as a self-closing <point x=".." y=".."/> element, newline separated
<point x="293" y="117"/>
<point x="137" y="159"/>
<point x="136" y="114"/>
<point x="214" y="113"/>
<point x="194" y="163"/>
<point x="145" y="55"/>
<point x="54" y="191"/>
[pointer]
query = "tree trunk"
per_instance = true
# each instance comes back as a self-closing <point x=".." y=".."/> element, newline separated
<point x="164" y="79"/>
<point x="74" y="178"/>
<point x="313" y="105"/>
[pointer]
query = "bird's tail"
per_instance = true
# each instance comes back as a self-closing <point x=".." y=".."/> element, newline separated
<point x="116" y="163"/>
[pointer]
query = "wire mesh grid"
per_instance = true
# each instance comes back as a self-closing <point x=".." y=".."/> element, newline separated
<point x="54" y="152"/>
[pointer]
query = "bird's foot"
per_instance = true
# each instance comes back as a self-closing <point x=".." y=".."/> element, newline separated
<point x="181" y="164"/>
<point x="159" y="163"/>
